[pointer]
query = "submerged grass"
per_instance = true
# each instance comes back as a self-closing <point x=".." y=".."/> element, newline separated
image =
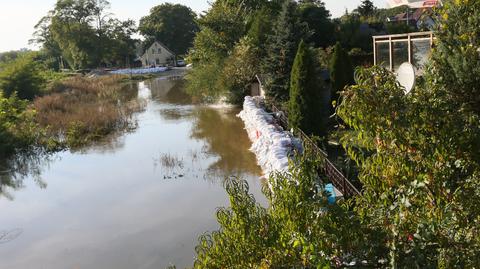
<point x="80" y="110"/>
<point x="171" y="161"/>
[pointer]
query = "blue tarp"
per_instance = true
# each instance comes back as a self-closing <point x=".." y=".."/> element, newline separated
<point x="332" y="196"/>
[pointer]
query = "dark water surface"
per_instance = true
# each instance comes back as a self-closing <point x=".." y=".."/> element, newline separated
<point x="138" y="200"/>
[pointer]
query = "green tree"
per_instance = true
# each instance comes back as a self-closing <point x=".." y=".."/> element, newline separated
<point x="281" y="50"/>
<point x="457" y="59"/>
<point x="172" y="24"/>
<point x="314" y="14"/>
<point x="218" y="42"/>
<point x="83" y="33"/>
<point x="260" y="29"/>
<point x="341" y="71"/>
<point x="239" y="71"/>
<point x="22" y="76"/>
<point x="353" y="31"/>
<point x="119" y="45"/>
<point x="366" y="8"/>
<point x="305" y="109"/>
<point x="220" y="29"/>
<point x="299" y="229"/>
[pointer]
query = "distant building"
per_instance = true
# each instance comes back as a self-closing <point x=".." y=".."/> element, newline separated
<point x="420" y="18"/>
<point x="158" y="55"/>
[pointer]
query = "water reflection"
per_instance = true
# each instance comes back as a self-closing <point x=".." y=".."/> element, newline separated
<point x="169" y="90"/>
<point x="222" y="132"/>
<point x="15" y="170"/>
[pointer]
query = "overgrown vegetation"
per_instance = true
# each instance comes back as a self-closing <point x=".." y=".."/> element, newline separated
<point x="23" y="76"/>
<point x="274" y="30"/>
<point x="86" y="109"/>
<point x="300" y="229"/>
<point x="18" y="130"/>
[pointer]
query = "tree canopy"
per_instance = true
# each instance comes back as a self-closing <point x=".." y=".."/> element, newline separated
<point x="172" y="24"/>
<point x="317" y="18"/>
<point x="85" y="34"/>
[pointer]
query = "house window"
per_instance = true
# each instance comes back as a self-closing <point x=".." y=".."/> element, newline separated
<point x="159" y="51"/>
<point x="153" y="51"/>
<point x="158" y="61"/>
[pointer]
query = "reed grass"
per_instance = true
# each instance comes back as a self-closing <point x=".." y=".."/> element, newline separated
<point x="82" y="109"/>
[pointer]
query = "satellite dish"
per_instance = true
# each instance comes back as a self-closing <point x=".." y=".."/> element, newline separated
<point x="406" y="76"/>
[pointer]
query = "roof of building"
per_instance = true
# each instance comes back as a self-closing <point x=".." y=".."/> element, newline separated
<point x="162" y="45"/>
<point x="412" y="16"/>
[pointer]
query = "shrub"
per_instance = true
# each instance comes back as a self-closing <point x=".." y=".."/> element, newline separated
<point x="299" y="230"/>
<point x="17" y="128"/>
<point x="202" y="81"/>
<point x="239" y="70"/>
<point x="23" y="76"/>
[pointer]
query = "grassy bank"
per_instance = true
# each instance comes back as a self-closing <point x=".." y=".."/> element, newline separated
<point x="81" y="110"/>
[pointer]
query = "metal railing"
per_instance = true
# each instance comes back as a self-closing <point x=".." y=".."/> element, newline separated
<point x="331" y="171"/>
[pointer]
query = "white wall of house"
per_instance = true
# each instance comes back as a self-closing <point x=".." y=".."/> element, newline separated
<point x="157" y="54"/>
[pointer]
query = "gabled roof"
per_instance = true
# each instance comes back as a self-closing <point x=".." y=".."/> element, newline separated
<point x="162" y="45"/>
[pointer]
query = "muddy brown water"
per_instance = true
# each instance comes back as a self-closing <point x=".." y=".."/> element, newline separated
<point x="136" y="200"/>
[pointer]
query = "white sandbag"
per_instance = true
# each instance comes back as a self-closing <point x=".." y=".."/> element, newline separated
<point x="139" y="71"/>
<point x="271" y="144"/>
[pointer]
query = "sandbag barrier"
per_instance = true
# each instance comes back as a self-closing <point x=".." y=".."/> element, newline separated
<point x="272" y="145"/>
<point x="139" y="71"/>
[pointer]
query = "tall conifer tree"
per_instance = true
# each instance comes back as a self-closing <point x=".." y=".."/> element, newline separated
<point x="281" y="50"/>
<point x="305" y="105"/>
<point x="341" y="71"/>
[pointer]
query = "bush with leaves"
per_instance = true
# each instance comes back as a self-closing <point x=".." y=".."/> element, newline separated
<point x="239" y="71"/>
<point x="18" y="130"/>
<point x="420" y="153"/>
<point x="300" y="229"/>
<point x="23" y="76"/>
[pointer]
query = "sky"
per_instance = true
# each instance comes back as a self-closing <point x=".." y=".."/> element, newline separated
<point x="18" y="17"/>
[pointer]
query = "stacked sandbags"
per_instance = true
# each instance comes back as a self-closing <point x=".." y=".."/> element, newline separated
<point x="271" y="144"/>
<point x="139" y="71"/>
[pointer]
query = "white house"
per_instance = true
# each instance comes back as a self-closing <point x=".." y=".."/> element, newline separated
<point x="158" y="55"/>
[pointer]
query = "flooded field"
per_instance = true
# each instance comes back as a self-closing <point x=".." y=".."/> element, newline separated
<point x="137" y="200"/>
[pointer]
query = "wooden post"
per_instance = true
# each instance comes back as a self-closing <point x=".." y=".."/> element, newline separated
<point x="410" y="59"/>
<point x="390" y="47"/>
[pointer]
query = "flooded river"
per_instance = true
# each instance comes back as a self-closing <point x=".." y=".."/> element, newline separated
<point x="137" y="200"/>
